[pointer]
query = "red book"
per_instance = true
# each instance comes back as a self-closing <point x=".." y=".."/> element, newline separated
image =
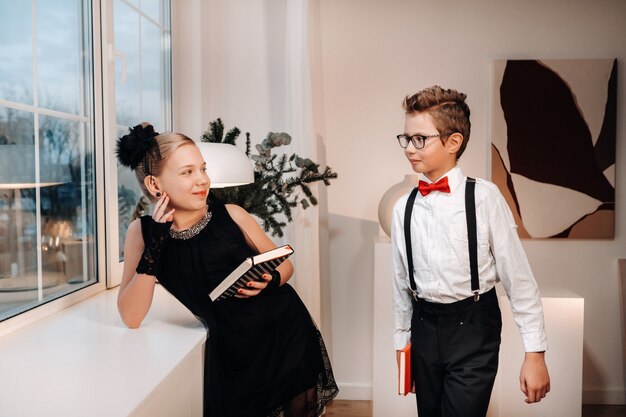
<point x="405" y="382"/>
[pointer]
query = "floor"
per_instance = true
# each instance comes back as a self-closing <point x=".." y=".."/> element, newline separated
<point x="592" y="410"/>
<point x="346" y="408"/>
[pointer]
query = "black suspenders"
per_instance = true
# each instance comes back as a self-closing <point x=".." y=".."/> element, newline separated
<point x="407" y="239"/>
<point x="470" y="215"/>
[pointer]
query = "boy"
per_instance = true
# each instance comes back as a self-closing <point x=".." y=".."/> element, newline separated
<point x="450" y="314"/>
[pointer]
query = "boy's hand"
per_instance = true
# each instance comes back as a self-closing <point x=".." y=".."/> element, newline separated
<point x="534" y="379"/>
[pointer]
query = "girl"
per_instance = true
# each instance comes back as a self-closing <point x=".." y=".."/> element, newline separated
<point x="264" y="355"/>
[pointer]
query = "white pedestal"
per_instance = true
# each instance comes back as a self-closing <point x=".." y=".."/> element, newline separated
<point x="563" y="314"/>
<point x="385" y="398"/>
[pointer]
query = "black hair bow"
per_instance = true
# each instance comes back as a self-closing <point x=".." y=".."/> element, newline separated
<point x="134" y="147"/>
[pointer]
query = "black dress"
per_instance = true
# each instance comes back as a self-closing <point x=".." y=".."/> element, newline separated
<point x="264" y="354"/>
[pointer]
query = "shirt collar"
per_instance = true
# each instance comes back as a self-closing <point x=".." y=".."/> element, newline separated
<point x="455" y="178"/>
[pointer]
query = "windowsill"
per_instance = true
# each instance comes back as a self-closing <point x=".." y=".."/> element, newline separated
<point x="84" y="361"/>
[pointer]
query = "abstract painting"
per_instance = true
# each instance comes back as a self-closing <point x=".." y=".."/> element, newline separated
<point x="553" y="145"/>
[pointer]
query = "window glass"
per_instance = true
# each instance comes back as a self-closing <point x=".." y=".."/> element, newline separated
<point x="152" y="9"/>
<point x="127" y="66"/>
<point x="18" y="267"/>
<point x="142" y="88"/>
<point x="68" y="207"/>
<point x="47" y="186"/>
<point x="59" y="63"/>
<point x="16" y="44"/>
<point x="152" y="72"/>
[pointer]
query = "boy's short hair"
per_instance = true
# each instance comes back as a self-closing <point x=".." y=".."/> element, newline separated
<point x="447" y="108"/>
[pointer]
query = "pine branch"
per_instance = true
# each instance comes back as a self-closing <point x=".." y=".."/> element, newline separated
<point x="275" y="192"/>
<point x="231" y="136"/>
<point x="248" y="144"/>
<point x="307" y="190"/>
<point x="281" y="163"/>
<point x="215" y="132"/>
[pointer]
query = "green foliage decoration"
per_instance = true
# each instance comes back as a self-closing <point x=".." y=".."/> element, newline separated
<point x="281" y="182"/>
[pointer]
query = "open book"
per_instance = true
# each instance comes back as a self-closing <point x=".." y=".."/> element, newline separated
<point x="251" y="268"/>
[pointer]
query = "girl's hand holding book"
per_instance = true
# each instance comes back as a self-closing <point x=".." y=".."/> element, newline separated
<point x="254" y="287"/>
<point x="259" y="269"/>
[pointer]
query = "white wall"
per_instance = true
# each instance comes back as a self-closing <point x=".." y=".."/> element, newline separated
<point x="229" y="62"/>
<point x="371" y="54"/>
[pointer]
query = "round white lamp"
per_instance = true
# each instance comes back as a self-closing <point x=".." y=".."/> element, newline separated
<point x="389" y="199"/>
<point x="227" y="165"/>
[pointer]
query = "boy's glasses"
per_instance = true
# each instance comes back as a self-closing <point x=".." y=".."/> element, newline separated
<point x="419" y="141"/>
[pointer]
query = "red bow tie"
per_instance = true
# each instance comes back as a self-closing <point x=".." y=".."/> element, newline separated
<point x="441" y="185"/>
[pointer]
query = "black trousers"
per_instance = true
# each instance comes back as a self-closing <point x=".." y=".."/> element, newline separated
<point x="454" y="355"/>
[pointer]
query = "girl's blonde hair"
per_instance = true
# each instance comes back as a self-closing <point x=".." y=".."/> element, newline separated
<point x="155" y="158"/>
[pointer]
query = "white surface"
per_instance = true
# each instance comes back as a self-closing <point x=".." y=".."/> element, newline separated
<point x="564" y="317"/>
<point x="351" y="302"/>
<point x="564" y="327"/>
<point x="226" y="164"/>
<point x="83" y="361"/>
<point x="386" y="401"/>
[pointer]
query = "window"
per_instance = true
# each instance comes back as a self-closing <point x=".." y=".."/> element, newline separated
<point x="47" y="214"/>
<point x="54" y="106"/>
<point x="142" y="54"/>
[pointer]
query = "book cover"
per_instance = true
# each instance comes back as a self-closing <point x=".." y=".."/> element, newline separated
<point x="405" y="382"/>
<point x="250" y="269"/>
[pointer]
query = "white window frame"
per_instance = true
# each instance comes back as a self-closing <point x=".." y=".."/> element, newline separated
<point x="53" y="306"/>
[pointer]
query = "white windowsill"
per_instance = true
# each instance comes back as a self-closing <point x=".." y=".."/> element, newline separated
<point x="83" y="361"/>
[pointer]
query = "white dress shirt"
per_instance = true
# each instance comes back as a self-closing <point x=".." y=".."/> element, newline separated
<point x="441" y="257"/>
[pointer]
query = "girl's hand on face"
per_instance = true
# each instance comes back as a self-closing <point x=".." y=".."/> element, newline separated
<point x="155" y="232"/>
<point x="254" y="287"/>
<point x="159" y="213"/>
